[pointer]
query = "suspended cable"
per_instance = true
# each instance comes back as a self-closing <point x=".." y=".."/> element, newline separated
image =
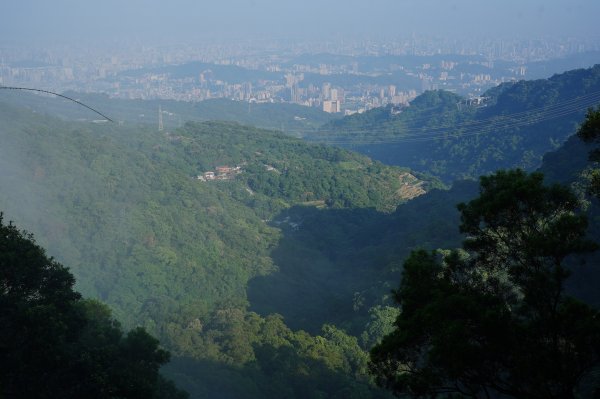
<point x="468" y="128"/>
<point x="549" y="108"/>
<point x="59" y="95"/>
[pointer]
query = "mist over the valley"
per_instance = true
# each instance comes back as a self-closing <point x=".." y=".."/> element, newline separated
<point x="299" y="199"/>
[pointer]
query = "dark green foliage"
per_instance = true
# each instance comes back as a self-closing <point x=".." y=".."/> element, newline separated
<point x="516" y="220"/>
<point x="38" y="322"/>
<point x="496" y="319"/>
<point x="54" y="344"/>
<point x="342" y="261"/>
<point x="589" y="132"/>
<point x="569" y="165"/>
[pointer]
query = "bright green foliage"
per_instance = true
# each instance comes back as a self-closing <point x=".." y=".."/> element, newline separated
<point x="275" y="361"/>
<point x="289" y="170"/>
<point x="54" y="344"/>
<point x="496" y="319"/>
<point x="381" y="323"/>
<point x="122" y="207"/>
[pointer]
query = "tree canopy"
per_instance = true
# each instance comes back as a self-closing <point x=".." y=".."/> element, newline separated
<point x="494" y="318"/>
<point x="589" y="132"/>
<point x="55" y="344"/>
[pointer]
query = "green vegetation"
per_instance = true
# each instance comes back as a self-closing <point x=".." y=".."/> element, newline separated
<point x="341" y="262"/>
<point x="291" y="118"/>
<point x="589" y="132"/>
<point x="441" y="134"/>
<point x="495" y="319"/>
<point x="271" y="282"/>
<point x="175" y="254"/>
<point x="55" y="344"/>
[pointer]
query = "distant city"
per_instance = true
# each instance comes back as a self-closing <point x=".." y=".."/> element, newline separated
<point x="336" y="77"/>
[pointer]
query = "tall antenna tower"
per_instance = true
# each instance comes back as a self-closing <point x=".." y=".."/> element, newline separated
<point x="160" y="120"/>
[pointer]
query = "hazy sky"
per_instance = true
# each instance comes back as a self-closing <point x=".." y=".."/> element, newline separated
<point x="180" y="20"/>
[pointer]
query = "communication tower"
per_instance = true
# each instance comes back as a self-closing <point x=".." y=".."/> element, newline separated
<point x="160" y="120"/>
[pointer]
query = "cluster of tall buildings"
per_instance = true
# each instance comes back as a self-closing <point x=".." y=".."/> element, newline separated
<point x="344" y="84"/>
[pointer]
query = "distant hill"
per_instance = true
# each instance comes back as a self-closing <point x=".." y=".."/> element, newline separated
<point x="228" y="73"/>
<point x="514" y="125"/>
<point x="289" y="117"/>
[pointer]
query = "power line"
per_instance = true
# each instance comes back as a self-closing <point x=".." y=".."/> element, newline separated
<point x="59" y="95"/>
<point x="545" y="109"/>
<point x="548" y="108"/>
<point x="469" y="128"/>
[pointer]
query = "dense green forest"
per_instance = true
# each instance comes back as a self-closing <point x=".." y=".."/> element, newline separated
<point x="450" y="137"/>
<point x="272" y="281"/>
<point x="507" y="314"/>
<point x="124" y="209"/>
<point x="55" y="344"/>
<point x="493" y="319"/>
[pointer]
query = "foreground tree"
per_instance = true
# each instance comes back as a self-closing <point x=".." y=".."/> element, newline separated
<point x="53" y="344"/>
<point x="589" y="132"/>
<point x="494" y="318"/>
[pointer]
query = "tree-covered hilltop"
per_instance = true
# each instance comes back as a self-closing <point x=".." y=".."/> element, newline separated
<point x="55" y="344"/>
<point x="125" y="209"/>
<point x="513" y="125"/>
<point x="288" y="170"/>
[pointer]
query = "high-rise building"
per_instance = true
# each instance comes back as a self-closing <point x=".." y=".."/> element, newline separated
<point x="331" y="106"/>
<point x="326" y="91"/>
<point x="334" y="94"/>
<point x="392" y="90"/>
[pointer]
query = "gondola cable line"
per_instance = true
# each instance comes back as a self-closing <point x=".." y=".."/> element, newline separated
<point x="58" y="95"/>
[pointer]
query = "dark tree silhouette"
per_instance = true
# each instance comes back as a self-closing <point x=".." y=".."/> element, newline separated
<point x="494" y="318"/>
<point x="589" y="132"/>
<point x="55" y="344"/>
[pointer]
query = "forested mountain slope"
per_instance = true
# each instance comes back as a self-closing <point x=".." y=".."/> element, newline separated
<point x="513" y="125"/>
<point x="125" y="210"/>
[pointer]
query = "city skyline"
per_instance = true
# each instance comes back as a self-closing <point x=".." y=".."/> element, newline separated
<point x="337" y="56"/>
